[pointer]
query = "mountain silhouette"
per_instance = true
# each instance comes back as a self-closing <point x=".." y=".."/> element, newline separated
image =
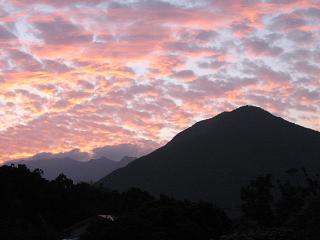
<point x="214" y="158"/>
<point x="79" y="171"/>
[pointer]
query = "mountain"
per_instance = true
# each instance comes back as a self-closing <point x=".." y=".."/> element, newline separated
<point x="78" y="171"/>
<point x="214" y="158"/>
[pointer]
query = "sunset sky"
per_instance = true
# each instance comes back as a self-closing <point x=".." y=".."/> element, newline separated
<point x="86" y="74"/>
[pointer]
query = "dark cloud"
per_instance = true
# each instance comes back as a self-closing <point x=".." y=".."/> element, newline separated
<point x="62" y="104"/>
<point x="266" y="75"/>
<point x="296" y="55"/>
<point x="281" y="1"/>
<point x="198" y="35"/>
<point x="300" y="36"/>
<point x="184" y="74"/>
<point x="57" y="3"/>
<point x="256" y="46"/>
<point x="310" y="95"/>
<point x="5" y="34"/>
<point x="55" y="66"/>
<point x="243" y="28"/>
<point x="217" y="87"/>
<point x="284" y="22"/>
<point x="23" y="61"/>
<point x="85" y="84"/>
<point x="307" y="68"/>
<point x="309" y="12"/>
<point x="206" y="35"/>
<point x="59" y="31"/>
<point x="75" y="154"/>
<point x="117" y="152"/>
<point x="212" y="64"/>
<point x="188" y="47"/>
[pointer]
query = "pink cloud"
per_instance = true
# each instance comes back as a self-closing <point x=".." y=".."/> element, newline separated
<point x="87" y="74"/>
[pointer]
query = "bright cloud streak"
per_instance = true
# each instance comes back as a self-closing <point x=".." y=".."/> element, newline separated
<point x="85" y="74"/>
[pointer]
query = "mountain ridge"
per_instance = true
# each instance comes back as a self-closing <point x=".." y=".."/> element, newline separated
<point x="78" y="171"/>
<point x="228" y="149"/>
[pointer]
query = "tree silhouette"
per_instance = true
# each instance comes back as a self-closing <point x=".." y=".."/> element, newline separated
<point x="257" y="200"/>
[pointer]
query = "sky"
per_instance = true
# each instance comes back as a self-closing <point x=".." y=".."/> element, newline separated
<point x="90" y="75"/>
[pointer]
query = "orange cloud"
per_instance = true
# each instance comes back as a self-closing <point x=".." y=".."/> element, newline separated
<point x="85" y="74"/>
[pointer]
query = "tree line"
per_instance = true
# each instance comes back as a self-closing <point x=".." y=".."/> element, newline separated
<point x="32" y="207"/>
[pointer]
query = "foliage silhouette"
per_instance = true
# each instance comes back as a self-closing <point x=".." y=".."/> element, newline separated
<point x="286" y="210"/>
<point x="32" y="207"/>
<point x="258" y="198"/>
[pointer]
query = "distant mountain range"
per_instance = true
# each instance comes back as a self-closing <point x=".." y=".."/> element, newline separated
<point x="214" y="158"/>
<point x="79" y="171"/>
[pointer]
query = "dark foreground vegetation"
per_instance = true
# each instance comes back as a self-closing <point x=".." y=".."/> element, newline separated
<point x="34" y="208"/>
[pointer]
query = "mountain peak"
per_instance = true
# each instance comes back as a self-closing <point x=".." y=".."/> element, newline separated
<point x="245" y="115"/>
<point x="215" y="157"/>
<point x="248" y="108"/>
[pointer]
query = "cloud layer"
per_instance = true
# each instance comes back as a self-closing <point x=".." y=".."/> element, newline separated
<point x="86" y="74"/>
